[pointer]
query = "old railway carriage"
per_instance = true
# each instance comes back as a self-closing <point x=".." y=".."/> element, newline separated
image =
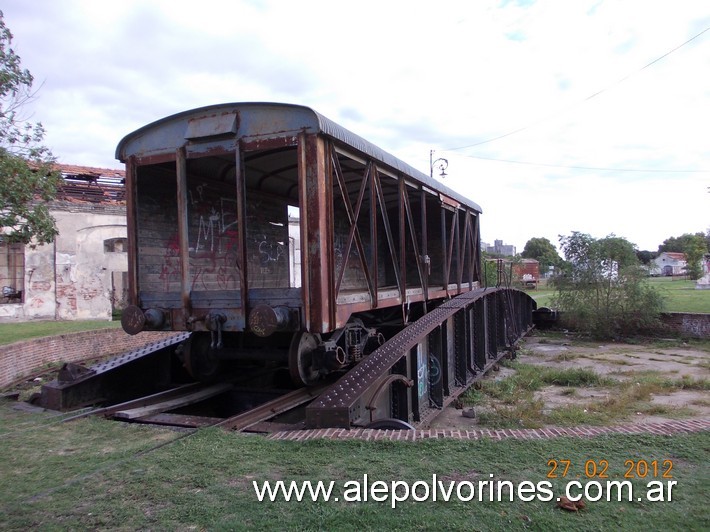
<point x="274" y="234"/>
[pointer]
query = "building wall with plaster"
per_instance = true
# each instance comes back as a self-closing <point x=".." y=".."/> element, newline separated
<point x="81" y="275"/>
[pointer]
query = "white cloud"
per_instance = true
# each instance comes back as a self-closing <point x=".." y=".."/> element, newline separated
<point x="412" y="76"/>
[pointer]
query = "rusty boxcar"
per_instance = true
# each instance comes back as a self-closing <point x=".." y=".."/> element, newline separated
<point x="212" y="193"/>
<point x="277" y="237"/>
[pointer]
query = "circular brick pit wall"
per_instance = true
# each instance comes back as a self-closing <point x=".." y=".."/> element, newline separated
<point x="21" y="359"/>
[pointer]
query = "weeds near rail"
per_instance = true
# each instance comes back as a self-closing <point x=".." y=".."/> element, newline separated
<point x="566" y="357"/>
<point x="529" y="378"/>
<point x="512" y="399"/>
<point x="511" y="402"/>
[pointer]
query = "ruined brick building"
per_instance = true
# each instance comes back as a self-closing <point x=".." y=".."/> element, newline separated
<point x="82" y="274"/>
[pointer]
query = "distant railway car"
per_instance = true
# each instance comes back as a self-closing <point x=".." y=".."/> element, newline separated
<point x="274" y="234"/>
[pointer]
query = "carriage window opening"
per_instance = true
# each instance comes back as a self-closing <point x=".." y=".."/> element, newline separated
<point x="12" y="272"/>
<point x="294" y="246"/>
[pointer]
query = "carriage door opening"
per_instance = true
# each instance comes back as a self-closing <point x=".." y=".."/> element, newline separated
<point x="272" y="256"/>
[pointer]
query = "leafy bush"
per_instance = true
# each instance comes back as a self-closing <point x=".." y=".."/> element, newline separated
<point x="602" y="290"/>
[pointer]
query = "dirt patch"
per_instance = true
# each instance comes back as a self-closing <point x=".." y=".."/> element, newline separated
<point x="677" y="374"/>
<point x="614" y="359"/>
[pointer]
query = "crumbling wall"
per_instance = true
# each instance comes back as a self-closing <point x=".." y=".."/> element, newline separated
<point x="71" y="278"/>
<point x="40" y="278"/>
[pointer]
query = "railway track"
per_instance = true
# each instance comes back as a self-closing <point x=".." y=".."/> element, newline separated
<point x="270" y="409"/>
<point x="156" y="409"/>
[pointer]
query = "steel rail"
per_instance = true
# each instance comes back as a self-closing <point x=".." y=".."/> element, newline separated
<point x="271" y="408"/>
<point x="139" y="402"/>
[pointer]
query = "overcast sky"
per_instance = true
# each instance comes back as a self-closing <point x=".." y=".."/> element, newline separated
<point x="552" y="114"/>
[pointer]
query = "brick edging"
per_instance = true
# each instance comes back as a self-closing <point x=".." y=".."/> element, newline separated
<point x="690" y="324"/>
<point x="20" y="359"/>
<point x="667" y="428"/>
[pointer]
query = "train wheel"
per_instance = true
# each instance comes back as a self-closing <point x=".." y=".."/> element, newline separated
<point x="199" y="359"/>
<point x="300" y="359"/>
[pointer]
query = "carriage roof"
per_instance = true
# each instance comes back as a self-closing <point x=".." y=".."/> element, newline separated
<point x="256" y="120"/>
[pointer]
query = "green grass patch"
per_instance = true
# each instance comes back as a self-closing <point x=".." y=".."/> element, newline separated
<point x="690" y="383"/>
<point x="566" y="357"/>
<point x="615" y="361"/>
<point x="510" y="402"/>
<point x="542" y="294"/>
<point x="524" y="413"/>
<point x="633" y="396"/>
<point x="701" y="344"/>
<point x="572" y="377"/>
<point x="97" y="474"/>
<point x="16" y="332"/>
<point x="681" y="296"/>
<point x="528" y="378"/>
<point x="572" y="415"/>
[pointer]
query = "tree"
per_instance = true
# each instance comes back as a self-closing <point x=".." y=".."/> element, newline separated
<point x="27" y="181"/>
<point x="676" y="244"/>
<point x="603" y="291"/>
<point x="542" y="250"/>
<point x="695" y="249"/>
<point x="646" y="256"/>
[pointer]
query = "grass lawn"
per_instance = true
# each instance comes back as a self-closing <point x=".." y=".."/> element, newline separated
<point x="98" y="474"/>
<point x="14" y="332"/>
<point x="542" y="294"/>
<point x="680" y="295"/>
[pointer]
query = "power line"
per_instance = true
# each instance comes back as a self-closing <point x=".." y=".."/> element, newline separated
<point x="597" y="168"/>
<point x="594" y="95"/>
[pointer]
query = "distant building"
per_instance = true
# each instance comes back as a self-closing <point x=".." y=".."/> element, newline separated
<point x="82" y="274"/>
<point x="527" y="272"/>
<point x="499" y="248"/>
<point x="669" y="264"/>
